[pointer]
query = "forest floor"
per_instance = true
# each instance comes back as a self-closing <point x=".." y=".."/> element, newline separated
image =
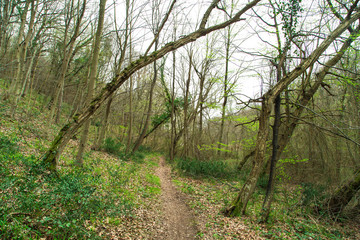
<point x="178" y="219"/>
<point x="157" y="199"/>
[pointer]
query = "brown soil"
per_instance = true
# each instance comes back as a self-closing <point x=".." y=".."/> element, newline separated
<point x="178" y="220"/>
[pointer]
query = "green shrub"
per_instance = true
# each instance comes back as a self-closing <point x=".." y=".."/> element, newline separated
<point x="212" y="168"/>
<point x="144" y="149"/>
<point x="113" y="146"/>
<point x="137" y="157"/>
<point x="263" y="181"/>
<point x="312" y="194"/>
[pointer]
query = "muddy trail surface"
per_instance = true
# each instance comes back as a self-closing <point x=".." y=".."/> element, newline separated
<point x="178" y="219"/>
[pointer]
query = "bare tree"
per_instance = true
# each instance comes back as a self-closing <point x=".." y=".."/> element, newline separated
<point x="71" y="128"/>
<point x="72" y="12"/>
<point x="92" y="78"/>
<point x="157" y="27"/>
<point x="238" y="206"/>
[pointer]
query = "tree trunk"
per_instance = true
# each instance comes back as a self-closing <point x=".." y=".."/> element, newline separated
<point x="186" y="107"/>
<point x="92" y="78"/>
<point x="140" y="139"/>
<point x="274" y="158"/>
<point x="172" y="115"/>
<point x="68" y="52"/>
<point x="225" y="90"/>
<point x="238" y="206"/>
<point x="244" y="160"/>
<point x="103" y="127"/>
<point x="129" y="137"/>
<point x="64" y="135"/>
<point x="19" y="50"/>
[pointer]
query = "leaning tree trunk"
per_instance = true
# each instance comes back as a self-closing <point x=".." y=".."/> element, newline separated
<point x="244" y="160"/>
<point x="308" y="92"/>
<point x="51" y="156"/>
<point x="342" y="196"/>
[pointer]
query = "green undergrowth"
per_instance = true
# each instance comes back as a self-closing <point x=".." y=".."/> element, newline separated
<point x="74" y="203"/>
<point x="117" y="148"/>
<point x="36" y="204"/>
<point x="209" y="168"/>
<point x="291" y="216"/>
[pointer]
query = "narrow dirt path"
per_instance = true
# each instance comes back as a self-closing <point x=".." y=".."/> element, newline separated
<point x="178" y="220"/>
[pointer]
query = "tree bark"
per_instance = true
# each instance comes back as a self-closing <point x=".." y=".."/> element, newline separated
<point x="225" y="90"/>
<point x="92" y="78"/>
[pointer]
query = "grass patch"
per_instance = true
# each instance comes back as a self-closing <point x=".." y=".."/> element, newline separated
<point x="153" y="179"/>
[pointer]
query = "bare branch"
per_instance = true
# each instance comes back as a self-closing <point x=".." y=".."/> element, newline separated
<point x="161" y="27"/>
<point x="207" y="14"/>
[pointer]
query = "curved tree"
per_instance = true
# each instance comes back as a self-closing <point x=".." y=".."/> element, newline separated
<point x="51" y="156"/>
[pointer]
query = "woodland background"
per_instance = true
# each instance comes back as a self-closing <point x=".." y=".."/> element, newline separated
<point x="263" y="91"/>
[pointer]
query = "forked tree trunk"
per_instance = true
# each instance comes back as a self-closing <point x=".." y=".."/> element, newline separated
<point x="238" y="206"/>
